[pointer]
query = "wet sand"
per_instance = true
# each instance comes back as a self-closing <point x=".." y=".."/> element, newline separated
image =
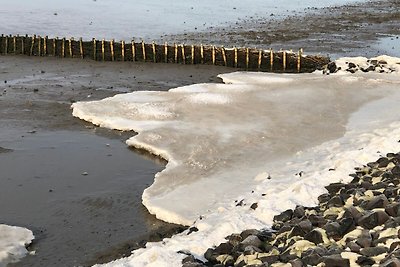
<point x="83" y="219"/>
<point x="77" y="187"/>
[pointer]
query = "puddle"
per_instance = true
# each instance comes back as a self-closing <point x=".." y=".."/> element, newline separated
<point x="80" y="193"/>
<point x="389" y="46"/>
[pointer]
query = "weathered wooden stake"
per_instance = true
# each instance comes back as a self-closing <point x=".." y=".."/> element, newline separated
<point x="183" y="54"/>
<point x="22" y="45"/>
<point x="70" y="47"/>
<point x="6" y="45"/>
<point x="271" y="59"/>
<point x="133" y="51"/>
<point x="213" y="55"/>
<point x="166" y="52"/>
<point x="55" y="40"/>
<point x="112" y="49"/>
<point x="32" y="44"/>
<point x="63" y="47"/>
<point x="236" y="57"/>
<point x="247" y="58"/>
<point x="94" y="49"/>
<point x="103" y="49"/>
<point x="143" y="51"/>
<point x="176" y="53"/>
<point x="202" y="53"/>
<point x="193" y="55"/>
<point x="284" y="60"/>
<point x="81" y="47"/>
<point x="223" y="55"/>
<point x="39" y="46"/>
<point x="153" y="45"/>
<point x="45" y="45"/>
<point x="259" y="59"/>
<point x="123" y="50"/>
<point x="15" y="45"/>
<point x="299" y="55"/>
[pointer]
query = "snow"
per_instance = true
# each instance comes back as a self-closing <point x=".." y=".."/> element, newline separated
<point x="277" y="142"/>
<point x="12" y="243"/>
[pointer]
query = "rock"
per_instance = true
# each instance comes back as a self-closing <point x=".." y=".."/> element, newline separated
<point x="396" y="170"/>
<point x="299" y="212"/>
<point x="192" y="229"/>
<point x="254" y="206"/>
<point x="391" y="263"/>
<point x="335" y="201"/>
<point x="251" y="250"/>
<point x="314" y="236"/>
<point x="373" y="219"/>
<point x="373" y="251"/>
<point x="365" y="240"/>
<point x="306" y="225"/>
<point x="190" y="258"/>
<point x="311" y="257"/>
<point x="377" y="202"/>
<point x="266" y="235"/>
<point x="226" y="260"/>
<point x="248" y="232"/>
<point x="352" y="212"/>
<point x="383" y="162"/>
<point x="335" y="261"/>
<point x="234" y="239"/>
<point x="296" y="263"/>
<point x="269" y="259"/>
<point x="365" y="261"/>
<point x="354" y="247"/>
<point x="347" y="225"/>
<point x="333" y="230"/>
<point x="324" y="198"/>
<point x="296" y="231"/>
<point x="331" y="67"/>
<point x="251" y="240"/>
<point x="334" y="188"/>
<point x="284" y="216"/>
<point x="317" y="220"/>
<point x="210" y="256"/>
<point x="352" y="65"/>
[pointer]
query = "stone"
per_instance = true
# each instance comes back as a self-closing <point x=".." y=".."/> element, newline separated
<point x="383" y="162"/>
<point x="335" y="261"/>
<point x="311" y="257"/>
<point x="234" y="239"/>
<point x="324" y="198"/>
<point x="391" y="263"/>
<point x="352" y="212"/>
<point x="314" y="236"/>
<point x="193" y="264"/>
<point x="226" y="260"/>
<point x="393" y="209"/>
<point x="364" y="261"/>
<point x="248" y="232"/>
<point x="331" y="67"/>
<point x="373" y="219"/>
<point x="296" y="263"/>
<point x="334" y="188"/>
<point x="316" y="220"/>
<point x="333" y="230"/>
<point x="352" y="65"/>
<point x="373" y="251"/>
<point x="254" y="206"/>
<point x="364" y="240"/>
<point x="251" y="250"/>
<point x="251" y="240"/>
<point x="377" y="202"/>
<point x="266" y="235"/>
<point x="347" y="225"/>
<point x="223" y="248"/>
<point x="354" y="247"/>
<point x="299" y="212"/>
<point x="189" y="258"/>
<point x="296" y="231"/>
<point x="210" y="256"/>
<point x="269" y="259"/>
<point x="335" y="201"/>
<point x="306" y="225"/>
<point x="284" y="216"/>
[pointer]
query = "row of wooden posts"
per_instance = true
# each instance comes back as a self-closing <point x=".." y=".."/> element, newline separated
<point x="102" y="50"/>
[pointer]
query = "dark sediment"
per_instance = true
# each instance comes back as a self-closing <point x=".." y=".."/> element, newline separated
<point x="358" y="220"/>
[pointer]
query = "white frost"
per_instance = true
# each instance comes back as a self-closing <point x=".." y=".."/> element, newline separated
<point x="277" y="142"/>
<point x="12" y="243"/>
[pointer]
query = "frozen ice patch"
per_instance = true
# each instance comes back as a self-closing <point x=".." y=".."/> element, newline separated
<point x="13" y="242"/>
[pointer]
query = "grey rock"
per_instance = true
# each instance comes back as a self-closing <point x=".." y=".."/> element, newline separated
<point x="364" y="261"/>
<point x="335" y="201"/>
<point x="347" y="225"/>
<point x="251" y="240"/>
<point x="373" y="219"/>
<point x="284" y="216"/>
<point x="306" y="225"/>
<point x="333" y="230"/>
<point x="248" y="232"/>
<point x="334" y="188"/>
<point x="373" y="251"/>
<point x="393" y="209"/>
<point x="234" y="239"/>
<point x="354" y="247"/>
<point x="324" y="198"/>
<point x="299" y="212"/>
<point x="377" y="202"/>
<point x="317" y="220"/>
<point x="314" y="236"/>
<point x="251" y="250"/>
<point x="352" y="212"/>
<point x="391" y="263"/>
<point x="311" y="257"/>
<point x="296" y="231"/>
<point x="269" y="259"/>
<point x="296" y="263"/>
<point x="335" y="261"/>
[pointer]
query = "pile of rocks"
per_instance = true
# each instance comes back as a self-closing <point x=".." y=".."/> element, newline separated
<point x="355" y="224"/>
<point x="371" y="65"/>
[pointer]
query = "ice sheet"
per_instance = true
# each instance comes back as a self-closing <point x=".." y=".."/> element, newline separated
<point x="12" y="243"/>
<point x="301" y="131"/>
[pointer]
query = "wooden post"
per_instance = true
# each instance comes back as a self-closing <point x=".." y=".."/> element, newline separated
<point x="94" y="49"/>
<point x="176" y="53"/>
<point x="54" y="46"/>
<point x="236" y="57"/>
<point x="271" y="59"/>
<point x="299" y="55"/>
<point x="166" y="52"/>
<point x="202" y="53"/>
<point x="70" y="47"/>
<point x="63" y="47"/>
<point x="259" y="59"/>
<point x="112" y="49"/>
<point x="102" y="50"/>
<point x="213" y="55"/>
<point x="144" y="51"/>
<point x="45" y="45"/>
<point x="22" y="45"/>
<point x="39" y="46"/>
<point x="223" y="55"/>
<point x="153" y="45"/>
<point x="15" y="45"/>
<point x="284" y="60"/>
<point x="183" y="54"/>
<point x="193" y="55"/>
<point x="32" y="44"/>
<point x="81" y="47"/>
<point x="6" y="45"/>
<point x="247" y="58"/>
<point x="123" y="50"/>
<point x="133" y="51"/>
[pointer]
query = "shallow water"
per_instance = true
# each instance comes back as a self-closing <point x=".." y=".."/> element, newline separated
<point x="389" y="45"/>
<point x="124" y="19"/>
<point x="80" y="192"/>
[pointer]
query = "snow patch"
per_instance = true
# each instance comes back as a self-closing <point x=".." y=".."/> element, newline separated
<point x="13" y="242"/>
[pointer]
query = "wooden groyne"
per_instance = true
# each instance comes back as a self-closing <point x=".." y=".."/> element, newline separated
<point x="103" y="50"/>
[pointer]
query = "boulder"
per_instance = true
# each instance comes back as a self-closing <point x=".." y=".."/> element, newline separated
<point x="314" y="236"/>
<point x="335" y="261"/>
<point x="284" y="216"/>
<point x="373" y="219"/>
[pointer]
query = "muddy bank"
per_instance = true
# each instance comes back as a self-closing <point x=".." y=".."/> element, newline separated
<point x="77" y="187"/>
<point x="349" y="30"/>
